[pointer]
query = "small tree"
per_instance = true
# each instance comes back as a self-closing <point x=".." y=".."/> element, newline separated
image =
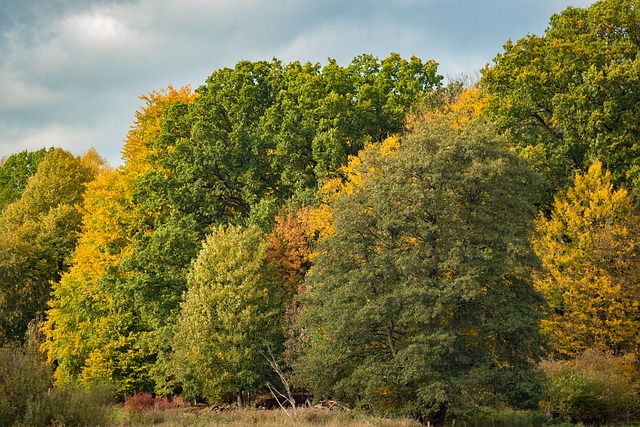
<point x="231" y="317"/>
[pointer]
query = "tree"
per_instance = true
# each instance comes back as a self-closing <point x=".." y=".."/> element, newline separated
<point x="231" y="318"/>
<point x="572" y="92"/>
<point x="106" y="320"/>
<point x="421" y="300"/>
<point x="37" y="237"/>
<point x="266" y="130"/>
<point x="291" y="244"/>
<point x="15" y="171"/>
<point x="589" y="249"/>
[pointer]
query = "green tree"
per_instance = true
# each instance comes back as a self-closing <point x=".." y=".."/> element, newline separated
<point x="589" y="247"/>
<point x="572" y="92"/>
<point x="265" y="130"/>
<point x="231" y="319"/>
<point x="15" y="171"/>
<point x="37" y="237"/>
<point x="421" y="300"/>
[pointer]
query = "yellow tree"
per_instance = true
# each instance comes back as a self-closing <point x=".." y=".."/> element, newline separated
<point x="458" y="104"/>
<point x="358" y="170"/>
<point x="589" y="250"/>
<point x="84" y="322"/>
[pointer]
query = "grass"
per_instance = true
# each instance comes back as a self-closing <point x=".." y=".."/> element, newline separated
<point x="205" y="417"/>
<point x="190" y="416"/>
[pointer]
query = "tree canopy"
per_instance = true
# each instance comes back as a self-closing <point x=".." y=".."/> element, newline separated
<point x="249" y="139"/>
<point x="573" y="91"/>
<point x="424" y="291"/>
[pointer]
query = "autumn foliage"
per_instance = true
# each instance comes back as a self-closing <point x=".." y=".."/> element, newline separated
<point x="361" y="234"/>
<point x="589" y="250"/>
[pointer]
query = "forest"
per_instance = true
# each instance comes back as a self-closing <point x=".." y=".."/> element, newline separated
<point x="366" y="234"/>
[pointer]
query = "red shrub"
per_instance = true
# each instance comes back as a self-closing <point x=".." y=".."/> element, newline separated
<point x="139" y="402"/>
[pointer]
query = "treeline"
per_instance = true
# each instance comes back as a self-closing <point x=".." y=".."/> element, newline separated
<point x="361" y="233"/>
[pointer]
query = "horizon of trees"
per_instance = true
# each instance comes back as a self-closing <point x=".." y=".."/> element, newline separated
<point x="378" y="237"/>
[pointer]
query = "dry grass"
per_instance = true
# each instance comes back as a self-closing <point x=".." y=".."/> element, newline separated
<point x="307" y="417"/>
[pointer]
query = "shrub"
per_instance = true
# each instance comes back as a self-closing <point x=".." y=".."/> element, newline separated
<point x="27" y="396"/>
<point x="24" y="382"/>
<point x="139" y="402"/>
<point x="76" y="406"/>
<point x="592" y="388"/>
<point x="505" y="418"/>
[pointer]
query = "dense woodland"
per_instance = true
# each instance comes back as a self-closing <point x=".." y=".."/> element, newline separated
<point x="366" y="233"/>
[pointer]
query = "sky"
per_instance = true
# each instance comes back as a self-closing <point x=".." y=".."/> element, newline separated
<point x="72" y="71"/>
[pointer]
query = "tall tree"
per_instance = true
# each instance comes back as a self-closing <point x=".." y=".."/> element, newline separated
<point x="572" y="92"/>
<point x="264" y="129"/>
<point x="94" y="330"/>
<point x="421" y="300"/>
<point x="590" y="251"/>
<point x="38" y="234"/>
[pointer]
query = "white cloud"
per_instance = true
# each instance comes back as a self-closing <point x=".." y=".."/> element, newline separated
<point x="95" y="29"/>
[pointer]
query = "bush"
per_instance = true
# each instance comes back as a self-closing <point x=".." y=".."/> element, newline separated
<point x="75" y="406"/>
<point x="506" y="418"/>
<point x="24" y="382"/>
<point x="139" y="402"/>
<point x="27" y="396"/>
<point x="593" y="388"/>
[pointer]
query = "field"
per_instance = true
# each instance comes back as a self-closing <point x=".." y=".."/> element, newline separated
<point x="202" y="417"/>
<point x="312" y="417"/>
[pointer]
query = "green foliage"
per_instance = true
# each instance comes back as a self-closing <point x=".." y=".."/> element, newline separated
<point x="37" y="236"/>
<point x="505" y="418"/>
<point x="266" y="130"/>
<point x="572" y="92"/>
<point x="593" y="388"/>
<point x="231" y="319"/>
<point x="15" y="171"/>
<point x="422" y="299"/>
<point x="28" y="399"/>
